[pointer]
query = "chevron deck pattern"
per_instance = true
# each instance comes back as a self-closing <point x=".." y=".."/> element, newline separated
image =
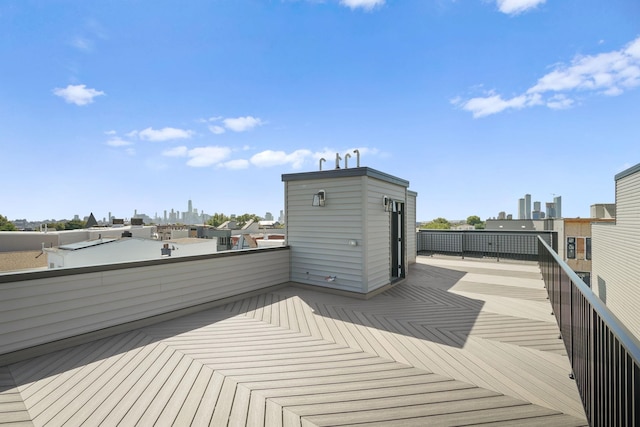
<point x="458" y="343"/>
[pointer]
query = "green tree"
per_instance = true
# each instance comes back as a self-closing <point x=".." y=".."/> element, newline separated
<point x="6" y="225"/>
<point x="436" y="224"/>
<point x="56" y="225"/>
<point x="473" y="220"/>
<point x="245" y="218"/>
<point x="217" y="219"/>
<point x="477" y="223"/>
<point x="75" y="224"/>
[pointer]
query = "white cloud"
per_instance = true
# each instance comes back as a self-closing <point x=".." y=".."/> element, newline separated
<point x="492" y="104"/>
<point x="602" y="72"/>
<point x="164" y="134"/>
<point x="236" y="164"/>
<point x="608" y="73"/>
<point x="515" y="7"/>
<point x="110" y="132"/>
<point x="77" y="94"/>
<point x="207" y="156"/>
<point x="118" y="142"/>
<point x="82" y="43"/>
<point x="180" y="151"/>
<point x="269" y="158"/>
<point x="218" y="130"/>
<point x="364" y="4"/>
<point x="242" y="124"/>
<point x="560" y="102"/>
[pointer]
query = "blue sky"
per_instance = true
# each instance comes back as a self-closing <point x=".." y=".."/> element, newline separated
<point x="111" y="106"/>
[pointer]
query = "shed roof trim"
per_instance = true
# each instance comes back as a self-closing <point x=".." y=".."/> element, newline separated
<point x="343" y="173"/>
<point x="627" y="172"/>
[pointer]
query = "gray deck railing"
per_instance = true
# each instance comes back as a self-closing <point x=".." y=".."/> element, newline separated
<point x="520" y="245"/>
<point x="604" y="355"/>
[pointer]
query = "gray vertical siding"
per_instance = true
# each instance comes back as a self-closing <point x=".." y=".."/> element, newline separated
<point x="615" y="274"/>
<point x="40" y="307"/>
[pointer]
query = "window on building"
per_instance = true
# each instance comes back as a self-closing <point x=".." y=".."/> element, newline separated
<point x="585" y="276"/>
<point x="571" y="248"/>
<point x="588" y="247"/>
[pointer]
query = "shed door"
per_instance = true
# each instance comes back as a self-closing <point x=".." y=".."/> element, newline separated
<point x="397" y="241"/>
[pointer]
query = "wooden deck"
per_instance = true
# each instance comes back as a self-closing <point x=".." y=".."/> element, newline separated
<point x="459" y="343"/>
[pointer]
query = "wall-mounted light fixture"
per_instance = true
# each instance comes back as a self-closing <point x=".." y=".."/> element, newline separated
<point x="353" y="243"/>
<point x="319" y="198"/>
<point x="386" y="203"/>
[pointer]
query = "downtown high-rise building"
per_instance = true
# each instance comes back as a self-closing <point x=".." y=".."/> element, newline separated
<point x="558" y="202"/>
<point x="521" y="208"/>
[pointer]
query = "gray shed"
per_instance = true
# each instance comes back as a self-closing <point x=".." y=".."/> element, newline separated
<point x="349" y="229"/>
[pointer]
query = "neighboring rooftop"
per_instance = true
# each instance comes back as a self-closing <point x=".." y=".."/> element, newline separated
<point x="459" y="342"/>
<point x="22" y="260"/>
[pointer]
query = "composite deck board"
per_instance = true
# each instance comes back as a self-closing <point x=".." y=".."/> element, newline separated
<point x="12" y="408"/>
<point x="421" y="353"/>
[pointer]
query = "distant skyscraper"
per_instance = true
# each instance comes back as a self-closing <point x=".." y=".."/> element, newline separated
<point x="551" y="210"/>
<point x="536" y="213"/>
<point x="527" y="206"/>
<point x="521" y="208"/>
<point x="558" y="202"/>
<point x="502" y="215"/>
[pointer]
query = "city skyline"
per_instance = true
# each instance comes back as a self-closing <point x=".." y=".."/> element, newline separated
<point x="113" y="107"/>
<point x="189" y="216"/>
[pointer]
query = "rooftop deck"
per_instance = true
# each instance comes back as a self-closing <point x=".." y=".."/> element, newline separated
<point x="459" y="343"/>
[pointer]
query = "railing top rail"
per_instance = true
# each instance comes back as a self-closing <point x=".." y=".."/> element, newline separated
<point x="627" y="339"/>
<point x="437" y="230"/>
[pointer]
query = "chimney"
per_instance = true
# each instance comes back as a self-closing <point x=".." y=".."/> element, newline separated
<point x="165" y="250"/>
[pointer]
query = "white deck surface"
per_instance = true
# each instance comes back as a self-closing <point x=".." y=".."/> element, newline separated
<point x="459" y="343"/>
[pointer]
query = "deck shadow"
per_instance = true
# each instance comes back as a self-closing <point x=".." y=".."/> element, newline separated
<point x="421" y="307"/>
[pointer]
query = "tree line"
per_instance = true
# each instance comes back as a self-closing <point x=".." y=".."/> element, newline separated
<point x="443" y="224"/>
<point x="74" y="224"/>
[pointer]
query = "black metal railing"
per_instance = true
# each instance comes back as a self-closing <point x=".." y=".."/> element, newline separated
<point x="519" y="245"/>
<point x="604" y="355"/>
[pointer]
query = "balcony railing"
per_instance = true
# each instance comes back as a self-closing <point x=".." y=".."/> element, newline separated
<point x="604" y="355"/>
<point x="519" y="245"/>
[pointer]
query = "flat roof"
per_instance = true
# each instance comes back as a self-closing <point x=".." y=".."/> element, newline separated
<point x="344" y="173"/>
<point x="85" y="244"/>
